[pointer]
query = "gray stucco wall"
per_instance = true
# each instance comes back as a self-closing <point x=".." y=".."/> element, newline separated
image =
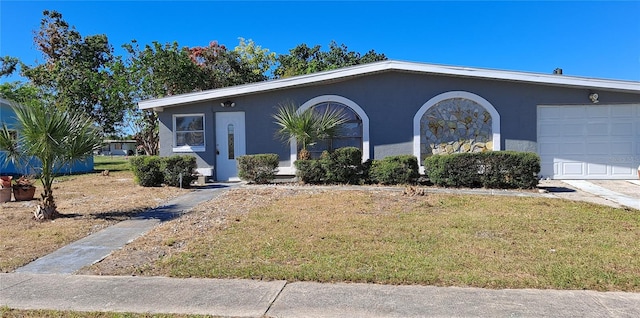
<point x="390" y="100"/>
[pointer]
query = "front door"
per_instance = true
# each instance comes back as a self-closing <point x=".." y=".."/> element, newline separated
<point x="230" y="144"/>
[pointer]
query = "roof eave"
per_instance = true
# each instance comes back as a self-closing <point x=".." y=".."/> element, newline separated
<point x="384" y="66"/>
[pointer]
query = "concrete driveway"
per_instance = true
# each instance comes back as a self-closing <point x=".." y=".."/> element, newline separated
<point x="614" y="193"/>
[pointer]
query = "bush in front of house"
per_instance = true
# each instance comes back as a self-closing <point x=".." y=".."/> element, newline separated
<point x="343" y="166"/>
<point x="401" y="169"/>
<point x="146" y="170"/>
<point x="153" y="171"/>
<point x="310" y="171"/>
<point x="495" y="169"/>
<point x="175" y="167"/>
<point x="260" y="168"/>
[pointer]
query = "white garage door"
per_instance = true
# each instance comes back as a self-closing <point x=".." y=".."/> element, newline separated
<point x="589" y="142"/>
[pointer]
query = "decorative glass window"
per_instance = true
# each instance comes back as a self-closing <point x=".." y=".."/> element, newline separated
<point x="188" y="133"/>
<point x="349" y="134"/>
<point x="231" y="143"/>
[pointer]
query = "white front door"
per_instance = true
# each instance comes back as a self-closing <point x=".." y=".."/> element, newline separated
<point x="230" y="144"/>
<point x="589" y="141"/>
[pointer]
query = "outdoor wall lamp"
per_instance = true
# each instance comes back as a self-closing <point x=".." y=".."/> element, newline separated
<point x="228" y="104"/>
<point x="593" y="97"/>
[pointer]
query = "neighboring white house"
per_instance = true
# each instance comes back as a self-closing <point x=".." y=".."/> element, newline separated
<point x="118" y="147"/>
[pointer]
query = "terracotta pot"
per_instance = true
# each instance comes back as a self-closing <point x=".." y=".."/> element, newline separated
<point x="5" y="181"/>
<point x="23" y="193"/>
<point x="5" y="195"/>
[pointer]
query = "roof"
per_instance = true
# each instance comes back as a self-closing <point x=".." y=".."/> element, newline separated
<point x="386" y="66"/>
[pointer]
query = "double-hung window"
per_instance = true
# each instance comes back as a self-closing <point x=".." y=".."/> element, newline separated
<point x="188" y="133"/>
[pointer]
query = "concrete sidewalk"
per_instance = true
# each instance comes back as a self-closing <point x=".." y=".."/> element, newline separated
<point x="249" y="298"/>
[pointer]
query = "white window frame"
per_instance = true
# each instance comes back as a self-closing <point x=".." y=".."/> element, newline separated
<point x="189" y="148"/>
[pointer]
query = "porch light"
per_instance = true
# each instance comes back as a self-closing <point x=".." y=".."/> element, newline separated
<point x="228" y="104"/>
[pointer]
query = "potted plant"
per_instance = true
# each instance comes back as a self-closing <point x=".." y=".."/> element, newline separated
<point x="5" y="189"/>
<point x="23" y="189"/>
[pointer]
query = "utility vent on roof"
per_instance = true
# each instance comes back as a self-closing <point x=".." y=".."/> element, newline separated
<point x="557" y="71"/>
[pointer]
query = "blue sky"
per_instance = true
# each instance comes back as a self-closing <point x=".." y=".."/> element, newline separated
<point x="584" y="38"/>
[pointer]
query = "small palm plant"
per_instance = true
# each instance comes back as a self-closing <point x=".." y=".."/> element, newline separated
<point x="55" y="138"/>
<point x="307" y="127"/>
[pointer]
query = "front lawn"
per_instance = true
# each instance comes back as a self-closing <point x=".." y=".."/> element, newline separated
<point x="376" y="236"/>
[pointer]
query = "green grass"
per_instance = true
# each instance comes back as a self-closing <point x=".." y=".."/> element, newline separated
<point x="443" y="240"/>
<point x="111" y="163"/>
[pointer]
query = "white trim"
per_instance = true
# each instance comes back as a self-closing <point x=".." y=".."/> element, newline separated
<point x="495" y="118"/>
<point x="390" y="65"/>
<point x="188" y="148"/>
<point x="338" y="99"/>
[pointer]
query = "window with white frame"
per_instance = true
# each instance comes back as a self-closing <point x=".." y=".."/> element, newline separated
<point x="188" y="133"/>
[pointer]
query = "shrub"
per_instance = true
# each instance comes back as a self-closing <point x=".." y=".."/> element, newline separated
<point x="146" y="170"/>
<point x="402" y="169"/>
<point x="259" y="168"/>
<point x="344" y="165"/>
<point x="310" y="171"/>
<point x="177" y="166"/>
<point x="496" y="169"/>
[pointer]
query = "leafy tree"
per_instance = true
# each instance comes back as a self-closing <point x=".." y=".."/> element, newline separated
<point x="56" y="138"/>
<point x="159" y="70"/>
<point x="76" y="71"/>
<point x="306" y="60"/>
<point x="307" y="127"/>
<point x="8" y="65"/>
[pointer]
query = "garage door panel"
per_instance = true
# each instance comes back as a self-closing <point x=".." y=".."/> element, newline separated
<point x="594" y="141"/>
<point x="597" y="169"/>
<point x="598" y="112"/>
<point x="574" y="129"/>
<point x="573" y="149"/>
<point x="622" y="129"/>
<point x="622" y="171"/>
<point x="597" y="129"/>
<point x="598" y="148"/>
<point x="623" y="111"/>
<point x="622" y="148"/>
<point x="574" y="169"/>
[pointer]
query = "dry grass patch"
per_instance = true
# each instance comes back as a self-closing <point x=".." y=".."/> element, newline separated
<point x="385" y="237"/>
<point x="88" y="203"/>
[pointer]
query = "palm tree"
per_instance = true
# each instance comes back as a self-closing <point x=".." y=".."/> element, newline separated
<point x="55" y="138"/>
<point x="307" y="127"/>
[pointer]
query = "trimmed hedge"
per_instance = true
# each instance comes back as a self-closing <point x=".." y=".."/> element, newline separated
<point x="259" y="168"/>
<point x="146" y="171"/>
<point x="153" y="171"/>
<point x="494" y="169"/>
<point x="174" y="167"/>
<point x="402" y="169"/>
<point x="342" y="166"/>
<point x="310" y="171"/>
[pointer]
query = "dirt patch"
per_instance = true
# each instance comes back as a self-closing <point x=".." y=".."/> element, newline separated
<point x="88" y="203"/>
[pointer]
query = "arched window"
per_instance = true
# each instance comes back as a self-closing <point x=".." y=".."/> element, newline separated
<point x="349" y="134"/>
<point x="355" y="132"/>
<point x="455" y="122"/>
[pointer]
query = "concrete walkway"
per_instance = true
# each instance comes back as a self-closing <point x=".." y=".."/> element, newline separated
<point x="47" y="283"/>
<point x="95" y="247"/>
